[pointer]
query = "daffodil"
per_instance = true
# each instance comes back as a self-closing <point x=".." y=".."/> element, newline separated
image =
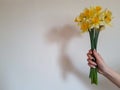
<point x="108" y="17"/>
<point x="94" y="16"/>
<point x="85" y="26"/>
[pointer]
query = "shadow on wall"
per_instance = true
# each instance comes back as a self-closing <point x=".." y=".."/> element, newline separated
<point x="62" y="36"/>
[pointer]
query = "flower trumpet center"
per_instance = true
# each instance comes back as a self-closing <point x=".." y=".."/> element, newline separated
<point x="85" y="26"/>
<point x="95" y="20"/>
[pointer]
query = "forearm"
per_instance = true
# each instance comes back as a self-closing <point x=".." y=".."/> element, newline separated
<point x="112" y="76"/>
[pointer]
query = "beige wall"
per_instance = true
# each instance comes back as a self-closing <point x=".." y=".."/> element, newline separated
<point x="41" y="47"/>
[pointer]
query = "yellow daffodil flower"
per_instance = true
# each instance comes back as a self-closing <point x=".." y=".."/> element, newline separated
<point x="108" y="17"/>
<point x="94" y="16"/>
<point x="85" y="26"/>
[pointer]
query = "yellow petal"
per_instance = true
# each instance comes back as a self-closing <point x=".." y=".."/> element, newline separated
<point x="98" y="8"/>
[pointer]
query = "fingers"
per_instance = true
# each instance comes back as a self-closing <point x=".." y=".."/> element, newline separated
<point x="94" y="52"/>
<point x="90" y="56"/>
<point x="91" y="63"/>
<point x="90" y="51"/>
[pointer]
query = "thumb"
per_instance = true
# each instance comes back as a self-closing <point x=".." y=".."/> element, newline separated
<point x="96" y="55"/>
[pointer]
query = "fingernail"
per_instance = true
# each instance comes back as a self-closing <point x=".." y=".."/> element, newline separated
<point x="93" y="67"/>
<point x="95" y="64"/>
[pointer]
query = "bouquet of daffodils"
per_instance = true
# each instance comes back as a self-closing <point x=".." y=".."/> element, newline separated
<point x="93" y="20"/>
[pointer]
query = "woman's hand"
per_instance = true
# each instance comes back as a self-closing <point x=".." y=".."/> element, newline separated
<point x="99" y="61"/>
<point x="102" y="67"/>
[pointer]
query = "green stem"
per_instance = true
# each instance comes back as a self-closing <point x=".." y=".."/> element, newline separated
<point x="94" y="33"/>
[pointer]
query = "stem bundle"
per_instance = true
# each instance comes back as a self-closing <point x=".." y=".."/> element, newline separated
<point x="93" y="33"/>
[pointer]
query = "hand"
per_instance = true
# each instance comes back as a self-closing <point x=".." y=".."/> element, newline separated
<point x="99" y="61"/>
<point x="102" y="67"/>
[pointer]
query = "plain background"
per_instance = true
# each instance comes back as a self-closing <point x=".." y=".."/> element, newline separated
<point x="41" y="47"/>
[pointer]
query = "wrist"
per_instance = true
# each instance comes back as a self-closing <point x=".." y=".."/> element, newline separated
<point x="106" y="70"/>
